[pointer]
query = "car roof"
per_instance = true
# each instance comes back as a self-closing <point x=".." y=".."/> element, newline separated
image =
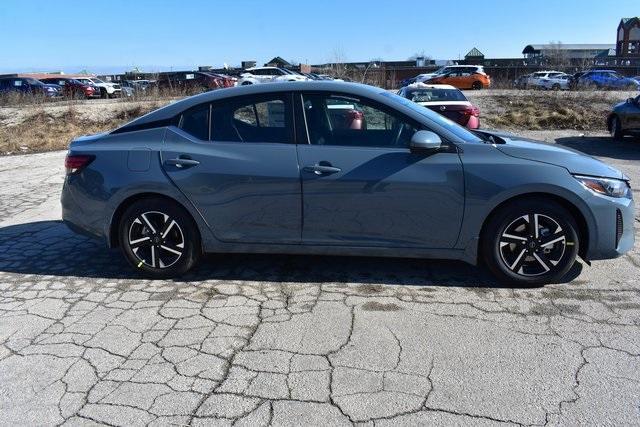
<point x="169" y="111"/>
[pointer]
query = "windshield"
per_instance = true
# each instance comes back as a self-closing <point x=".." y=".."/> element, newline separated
<point x="449" y="125"/>
<point x="33" y="82"/>
<point x="95" y="80"/>
<point x="434" y="95"/>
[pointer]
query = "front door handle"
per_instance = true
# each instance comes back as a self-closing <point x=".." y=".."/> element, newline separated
<point x="322" y="169"/>
<point x="182" y="162"/>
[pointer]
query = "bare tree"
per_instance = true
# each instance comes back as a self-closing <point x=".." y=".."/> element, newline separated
<point x="337" y="62"/>
<point x="556" y="56"/>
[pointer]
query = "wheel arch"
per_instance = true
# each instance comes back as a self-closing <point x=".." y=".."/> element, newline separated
<point x="112" y="237"/>
<point x="576" y="213"/>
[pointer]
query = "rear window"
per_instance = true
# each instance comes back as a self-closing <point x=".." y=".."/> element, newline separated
<point x="434" y="95"/>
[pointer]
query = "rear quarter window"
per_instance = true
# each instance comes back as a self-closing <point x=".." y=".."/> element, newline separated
<point x="195" y="122"/>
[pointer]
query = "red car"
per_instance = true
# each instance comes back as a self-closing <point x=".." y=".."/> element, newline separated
<point x="72" y="88"/>
<point x="445" y="100"/>
<point x="194" y="81"/>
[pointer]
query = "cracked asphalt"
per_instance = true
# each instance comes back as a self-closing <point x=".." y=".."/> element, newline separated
<point x="294" y="340"/>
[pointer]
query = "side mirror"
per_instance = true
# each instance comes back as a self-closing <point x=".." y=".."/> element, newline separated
<point x="424" y="141"/>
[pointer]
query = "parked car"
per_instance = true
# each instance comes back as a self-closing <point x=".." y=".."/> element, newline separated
<point x="463" y="77"/>
<point x="534" y="81"/>
<point x="194" y="81"/>
<point x="269" y="75"/>
<point x="607" y="79"/>
<point x="445" y="100"/>
<point x="407" y="82"/>
<point x="72" y="88"/>
<point x="521" y="82"/>
<point x="107" y="90"/>
<point x="556" y="82"/>
<point x="137" y="87"/>
<point x="28" y="86"/>
<point x="412" y="183"/>
<point x="624" y="119"/>
<point x="425" y="77"/>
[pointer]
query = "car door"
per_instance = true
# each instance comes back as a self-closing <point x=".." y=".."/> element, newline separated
<point x="363" y="187"/>
<point x="631" y="117"/>
<point x="241" y="173"/>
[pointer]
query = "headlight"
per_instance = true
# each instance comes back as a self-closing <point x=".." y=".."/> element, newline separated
<point x="606" y="186"/>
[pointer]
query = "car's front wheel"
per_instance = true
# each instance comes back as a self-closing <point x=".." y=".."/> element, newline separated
<point x="530" y="242"/>
<point x="615" y="128"/>
<point x="159" y="238"/>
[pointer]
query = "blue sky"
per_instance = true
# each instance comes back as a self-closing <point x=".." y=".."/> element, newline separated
<point x="100" y="36"/>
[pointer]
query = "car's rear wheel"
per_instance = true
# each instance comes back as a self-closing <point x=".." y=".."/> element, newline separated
<point x="530" y="242"/>
<point x="159" y="238"/>
<point x="556" y="86"/>
<point x="615" y="128"/>
<point x="476" y="85"/>
<point x="246" y="83"/>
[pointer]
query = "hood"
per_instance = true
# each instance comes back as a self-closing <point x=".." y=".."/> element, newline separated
<point x="572" y="160"/>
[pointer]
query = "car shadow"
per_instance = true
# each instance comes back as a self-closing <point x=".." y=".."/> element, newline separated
<point x="49" y="248"/>
<point x="600" y="146"/>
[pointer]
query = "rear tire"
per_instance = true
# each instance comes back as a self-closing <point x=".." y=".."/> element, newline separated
<point x="159" y="238"/>
<point x="530" y="242"/>
<point x="246" y="83"/>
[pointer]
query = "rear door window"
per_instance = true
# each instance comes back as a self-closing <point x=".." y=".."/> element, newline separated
<point x="265" y="118"/>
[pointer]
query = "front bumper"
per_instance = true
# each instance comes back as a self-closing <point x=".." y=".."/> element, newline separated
<point x="614" y="233"/>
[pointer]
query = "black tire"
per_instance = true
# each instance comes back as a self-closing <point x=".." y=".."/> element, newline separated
<point x="103" y="93"/>
<point x="476" y="85"/>
<point x="615" y="128"/>
<point x="556" y="87"/>
<point x="156" y="257"/>
<point x="246" y="83"/>
<point x="529" y="262"/>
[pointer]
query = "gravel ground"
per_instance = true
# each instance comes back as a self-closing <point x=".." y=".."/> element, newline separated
<point x="283" y="340"/>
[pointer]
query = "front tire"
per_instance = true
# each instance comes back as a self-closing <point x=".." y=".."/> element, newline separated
<point x="159" y="238"/>
<point x="615" y="129"/>
<point x="476" y="85"/>
<point x="530" y="242"/>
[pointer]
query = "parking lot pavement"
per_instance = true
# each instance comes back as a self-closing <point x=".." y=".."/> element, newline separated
<point x="256" y="340"/>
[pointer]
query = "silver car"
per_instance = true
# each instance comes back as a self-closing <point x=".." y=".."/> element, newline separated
<point x="276" y="168"/>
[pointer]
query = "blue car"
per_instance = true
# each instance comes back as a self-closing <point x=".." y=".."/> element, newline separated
<point x="607" y="79"/>
<point x="342" y="169"/>
<point x="28" y="86"/>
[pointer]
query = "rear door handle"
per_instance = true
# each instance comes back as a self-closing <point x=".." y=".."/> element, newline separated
<point x="182" y="162"/>
<point x="322" y="169"/>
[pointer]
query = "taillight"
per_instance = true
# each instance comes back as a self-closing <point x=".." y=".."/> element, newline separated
<point x="471" y="110"/>
<point x="74" y="163"/>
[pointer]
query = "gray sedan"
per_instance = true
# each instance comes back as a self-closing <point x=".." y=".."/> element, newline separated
<point x="625" y="118"/>
<point x="343" y="169"/>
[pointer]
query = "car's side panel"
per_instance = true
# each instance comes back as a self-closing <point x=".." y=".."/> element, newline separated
<point x="381" y="197"/>
<point x="91" y="197"/>
<point x="247" y="192"/>
<point x="493" y="178"/>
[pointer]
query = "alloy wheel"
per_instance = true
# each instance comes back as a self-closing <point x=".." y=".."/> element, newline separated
<point x="532" y="245"/>
<point x="156" y="239"/>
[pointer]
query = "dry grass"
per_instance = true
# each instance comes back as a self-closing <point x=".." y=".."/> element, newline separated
<point x="44" y="129"/>
<point x="543" y="110"/>
<point x="44" y="126"/>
